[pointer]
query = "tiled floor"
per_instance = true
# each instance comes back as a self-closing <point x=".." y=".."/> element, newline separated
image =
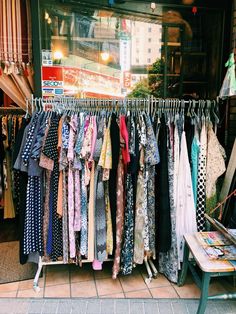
<point x="70" y="281"/>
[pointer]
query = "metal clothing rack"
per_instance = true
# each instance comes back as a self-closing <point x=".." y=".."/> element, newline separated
<point x="150" y="105"/>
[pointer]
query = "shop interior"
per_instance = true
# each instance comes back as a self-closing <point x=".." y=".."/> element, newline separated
<point x="127" y="50"/>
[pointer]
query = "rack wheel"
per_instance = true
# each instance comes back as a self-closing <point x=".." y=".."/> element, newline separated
<point x="36" y="287"/>
<point x="155" y="275"/>
<point x="148" y="280"/>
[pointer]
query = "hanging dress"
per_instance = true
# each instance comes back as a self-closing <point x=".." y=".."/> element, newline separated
<point x="201" y="180"/>
<point x="163" y="225"/>
<point x="215" y="167"/>
<point x="185" y="208"/>
<point x="55" y="243"/>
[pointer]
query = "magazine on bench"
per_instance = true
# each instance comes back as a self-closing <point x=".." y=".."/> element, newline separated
<point x="220" y="244"/>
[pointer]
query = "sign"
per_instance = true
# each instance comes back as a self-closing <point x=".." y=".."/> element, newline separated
<point x="127" y="79"/>
<point x="52" y="81"/>
<point x="72" y="81"/>
<point x="47" y="57"/>
<point x="125" y="55"/>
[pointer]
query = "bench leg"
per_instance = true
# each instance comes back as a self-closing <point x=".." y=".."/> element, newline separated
<point x="204" y="292"/>
<point x="184" y="270"/>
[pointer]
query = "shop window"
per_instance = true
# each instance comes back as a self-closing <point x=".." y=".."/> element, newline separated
<point x="96" y="48"/>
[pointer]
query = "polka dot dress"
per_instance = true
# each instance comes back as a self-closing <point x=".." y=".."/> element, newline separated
<point x="32" y="239"/>
<point x="33" y="217"/>
<point x="55" y="222"/>
<point x="201" y="181"/>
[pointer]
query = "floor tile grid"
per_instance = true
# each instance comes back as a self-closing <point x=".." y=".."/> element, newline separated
<point x="148" y="292"/>
<point x="125" y="293"/>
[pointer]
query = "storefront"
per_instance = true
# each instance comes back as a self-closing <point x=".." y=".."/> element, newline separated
<point x="110" y="53"/>
<point x="124" y="40"/>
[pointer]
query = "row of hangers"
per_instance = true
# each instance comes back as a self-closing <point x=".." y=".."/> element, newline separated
<point x="195" y="109"/>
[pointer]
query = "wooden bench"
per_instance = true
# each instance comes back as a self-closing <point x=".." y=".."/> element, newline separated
<point x="210" y="268"/>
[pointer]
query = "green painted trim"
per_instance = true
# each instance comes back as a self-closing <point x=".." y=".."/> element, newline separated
<point x="36" y="46"/>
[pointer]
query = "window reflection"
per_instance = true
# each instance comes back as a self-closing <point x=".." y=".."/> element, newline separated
<point x="129" y="50"/>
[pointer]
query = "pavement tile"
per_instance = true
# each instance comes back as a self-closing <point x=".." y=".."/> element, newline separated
<point x="108" y="286"/>
<point x="122" y="306"/>
<point x="57" y="278"/>
<point x="81" y="275"/>
<point x="113" y="296"/>
<point x="59" y="291"/>
<point x="9" y="294"/>
<point x="8" y="305"/>
<point x="22" y="307"/>
<point x="79" y="306"/>
<point x="160" y="281"/>
<point x="107" y="306"/>
<point x="86" y="289"/>
<point x="64" y="307"/>
<point x="7" y="287"/>
<point x="165" y="308"/>
<point x="28" y="284"/>
<point x="143" y="294"/>
<point x="192" y="307"/>
<point x="30" y="293"/>
<point x="133" y="283"/>
<point x="93" y="307"/>
<point x="188" y="291"/>
<point x="136" y="307"/>
<point x="225" y="307"/>
<point x="36" y="306"/>
<point x="179" y="308"/>
<point x="150" y="308"/>
<point x="164" y="292"/>
<point x="50" y="306"/>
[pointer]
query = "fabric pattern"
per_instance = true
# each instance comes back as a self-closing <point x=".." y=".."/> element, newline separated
<point x="139" y="222"/>
<point x="168" y="261"/>
<point x="109" y="235"/>
<point x="127" y="251"/>
<point x="201" y="180"/>
<point x="100" y="216"/>
<point x="55" y="247"/>
<point x="84" y="215"/>
<point x="119" y="218"/>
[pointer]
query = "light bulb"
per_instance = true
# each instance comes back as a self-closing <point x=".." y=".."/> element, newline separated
<point x="58" y="54"/>
<point x="105" y="55"/>
<point x="46" y="16"/>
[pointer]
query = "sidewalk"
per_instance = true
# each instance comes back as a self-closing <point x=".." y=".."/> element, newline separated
<point x="112" y="306"/>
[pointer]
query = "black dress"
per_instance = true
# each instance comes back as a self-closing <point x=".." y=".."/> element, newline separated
<point x="163" y="223"/>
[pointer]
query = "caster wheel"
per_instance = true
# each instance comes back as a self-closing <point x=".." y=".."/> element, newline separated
<point x="36" y="288"/>
<point x="148" y="280"/>
<point x="155" y="276"/>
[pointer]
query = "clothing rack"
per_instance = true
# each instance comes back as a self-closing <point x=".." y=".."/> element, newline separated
<point x="150" y="105"/>
<point x="126" y="103"/>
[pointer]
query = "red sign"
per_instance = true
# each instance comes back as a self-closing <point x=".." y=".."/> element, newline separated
<point x="52" y="74"/>
<point x="127" y="79"/>
<point x="71" y="81"/>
